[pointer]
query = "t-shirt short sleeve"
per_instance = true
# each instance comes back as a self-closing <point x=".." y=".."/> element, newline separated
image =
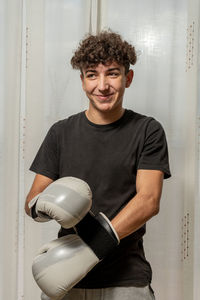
<point x="154" y="155"/>
<point x="46" y="161"/>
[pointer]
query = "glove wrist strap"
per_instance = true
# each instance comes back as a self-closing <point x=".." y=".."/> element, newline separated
<point x="97" y="233"/>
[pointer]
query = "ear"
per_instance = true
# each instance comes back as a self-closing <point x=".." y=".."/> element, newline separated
<point x="129" y="78"/>
<point x="82" y="79"/>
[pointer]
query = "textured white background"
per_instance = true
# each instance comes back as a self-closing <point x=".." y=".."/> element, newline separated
<point x="38" y="87"/>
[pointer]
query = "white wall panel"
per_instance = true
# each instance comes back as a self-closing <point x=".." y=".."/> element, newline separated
<point x="10" y="55"/>
<point x="53" y="92"/>
<point x="2" y="134"/>
<point x="165" y="86"/>
<point x="39" y="87"/>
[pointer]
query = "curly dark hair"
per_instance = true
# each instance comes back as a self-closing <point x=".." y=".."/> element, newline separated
<point x="104" y="48"/>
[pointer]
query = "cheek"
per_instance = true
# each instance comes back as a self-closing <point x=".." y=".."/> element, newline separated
<point x="88" y="87"/>
<point x="121" y="87"/>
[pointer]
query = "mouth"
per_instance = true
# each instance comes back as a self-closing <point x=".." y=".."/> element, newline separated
<point x="104" y="97"/>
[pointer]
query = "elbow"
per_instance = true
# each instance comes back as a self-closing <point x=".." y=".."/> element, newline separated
<point x="155" y="206"/>
<point x="156" y="210"/>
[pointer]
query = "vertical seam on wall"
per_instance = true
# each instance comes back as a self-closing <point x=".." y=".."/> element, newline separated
<point x="20" y="254"/>
<point x="90" y="16"/>
<point x="98" y="16"/>
<point x="95" y="16"/>
<point x="196" y="288"/>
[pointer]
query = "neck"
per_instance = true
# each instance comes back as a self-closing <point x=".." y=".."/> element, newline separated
<point x="103" y="118"/>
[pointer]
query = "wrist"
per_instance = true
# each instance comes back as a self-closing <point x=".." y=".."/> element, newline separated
<point x="98" y="233"/>
<point x="34" y="213"/>
<point x="32" y="207"/>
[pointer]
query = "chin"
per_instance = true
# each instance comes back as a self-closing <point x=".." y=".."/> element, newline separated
<point x="105" y="109"/>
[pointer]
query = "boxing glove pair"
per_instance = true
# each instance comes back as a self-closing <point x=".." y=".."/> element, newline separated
<point x="63" y="262"/>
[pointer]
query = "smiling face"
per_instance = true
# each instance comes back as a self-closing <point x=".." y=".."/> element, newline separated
<point x="104" y="85"/>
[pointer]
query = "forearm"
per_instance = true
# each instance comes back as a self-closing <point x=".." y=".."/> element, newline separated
<point x="39" y="184"/>
<point x="135" y="214"/>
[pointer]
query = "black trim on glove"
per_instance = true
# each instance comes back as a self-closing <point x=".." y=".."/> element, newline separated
<point x="96" y="232"/>
<point x="34" y="214"/>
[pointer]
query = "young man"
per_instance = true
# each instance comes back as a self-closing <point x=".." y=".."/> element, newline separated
<point x="123" y="157"/>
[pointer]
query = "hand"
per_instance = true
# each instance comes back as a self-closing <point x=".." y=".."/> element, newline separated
<point x="66" y="200"/>
<point x="63" y="262"/>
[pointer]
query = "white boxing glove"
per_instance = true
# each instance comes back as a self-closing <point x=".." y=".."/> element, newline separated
<point x="63" y="262"/>
<point x="66" y="200"/>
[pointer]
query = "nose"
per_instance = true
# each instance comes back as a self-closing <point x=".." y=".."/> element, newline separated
<point x="103" y="84"/>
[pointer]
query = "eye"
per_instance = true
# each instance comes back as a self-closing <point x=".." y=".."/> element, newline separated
<point x="113" y="74"/>
<point x="91" y="75"/>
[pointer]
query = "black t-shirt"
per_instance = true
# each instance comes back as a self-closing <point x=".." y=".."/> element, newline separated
<point x="107" y="157"/>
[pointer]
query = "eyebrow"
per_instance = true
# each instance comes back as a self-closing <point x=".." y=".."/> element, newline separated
<point x="109" y="70"/>
<point x="90" y="70"/>
<point x="114" y="69"/>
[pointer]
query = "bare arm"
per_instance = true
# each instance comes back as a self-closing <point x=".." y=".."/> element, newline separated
<point x="39" y="184"/>
<point x="143" y="206"/>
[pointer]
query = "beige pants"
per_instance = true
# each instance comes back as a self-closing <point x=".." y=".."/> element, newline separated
<point x="116" y="293"/>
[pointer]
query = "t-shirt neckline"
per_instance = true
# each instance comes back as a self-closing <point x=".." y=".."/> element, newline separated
<point x="105" y="126"/>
